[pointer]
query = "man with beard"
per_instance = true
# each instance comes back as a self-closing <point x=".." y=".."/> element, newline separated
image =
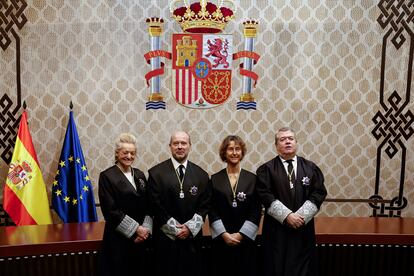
<point x="180" y="195"/>
<point x="292" y="190"/>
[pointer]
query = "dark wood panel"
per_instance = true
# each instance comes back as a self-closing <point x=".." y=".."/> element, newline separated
<point x="65" y="264"/>
<point x="52" y="238"/>
<point x="359" y="230"/>
<point x="77" y="237"/>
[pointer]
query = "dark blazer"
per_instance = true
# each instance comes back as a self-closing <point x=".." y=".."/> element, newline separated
<point x="248" y="208"/>
<point x="164" y="189"/>
<point x="288" y="251"/>
<point x="237" y="260"/>
<point x="177" y="257"/>
<point x="119" y="198"/>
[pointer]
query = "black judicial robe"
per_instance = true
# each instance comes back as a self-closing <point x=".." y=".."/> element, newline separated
<point x="177" y="257"/>
<point x="288" y="251"/>
<point x="237" y="260"/>
<point x="120" y="255"/>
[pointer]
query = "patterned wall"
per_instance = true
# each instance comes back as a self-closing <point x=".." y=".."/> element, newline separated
<point x="325" y="69"/>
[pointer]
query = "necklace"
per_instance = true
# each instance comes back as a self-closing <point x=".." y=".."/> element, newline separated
<point x="181" y="194"/>
<point x="290" y="179"/>
<point x="290" y="174"/>
<point x="234" y="188"/>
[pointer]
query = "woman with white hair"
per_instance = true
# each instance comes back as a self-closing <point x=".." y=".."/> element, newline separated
<point x="125" y="207"/>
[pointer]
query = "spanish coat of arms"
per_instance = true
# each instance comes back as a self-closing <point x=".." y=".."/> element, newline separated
<point x="202" y="57"/>
<point x="201" y="69"/>
<point x="20" y="174"/>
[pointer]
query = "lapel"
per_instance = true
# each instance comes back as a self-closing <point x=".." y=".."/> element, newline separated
<point x="123" y="180"/>
<point x="190" y="184"/>
<point x="303" y="171"/>
<point x="172" y="176"/>
<point x="282" y="173"/>
<point x="284" y="191"/>
<point x="188" y="175"/>
<point x="139" y="182"/>
<point x="241" y="183"/>
<point x="225" y="185"/>
<point x="224" y="178"/>
<point x="300" y="171"/>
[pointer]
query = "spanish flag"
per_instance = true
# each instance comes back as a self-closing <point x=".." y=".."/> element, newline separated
<point x="24" y="195"/>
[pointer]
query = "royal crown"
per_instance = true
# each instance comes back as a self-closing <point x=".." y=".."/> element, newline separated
<point x="203" y="16"/>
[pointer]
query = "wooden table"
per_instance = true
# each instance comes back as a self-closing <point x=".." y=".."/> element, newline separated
<point x="345" y="246"/>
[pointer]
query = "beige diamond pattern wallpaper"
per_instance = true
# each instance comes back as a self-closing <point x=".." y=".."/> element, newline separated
<point x="338" y="72"/>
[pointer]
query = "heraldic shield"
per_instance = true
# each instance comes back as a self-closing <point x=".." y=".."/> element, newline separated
<point x="201" y="69"/>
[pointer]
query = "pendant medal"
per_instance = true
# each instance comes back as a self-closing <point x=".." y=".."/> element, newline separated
<point x="181" y="194"/>
<point x="234" y="204"/>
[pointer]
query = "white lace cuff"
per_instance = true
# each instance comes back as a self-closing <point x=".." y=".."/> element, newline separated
<point x="170" y="228"/>
<point x="148" y="223"/>
<point x="249" y="229"/>
<point x="308" y="210"/>
<point x="278" y="211"/>
<point x="217" y="228"/>
<point x="127" y="227"/>
<point x="195" y="224"/>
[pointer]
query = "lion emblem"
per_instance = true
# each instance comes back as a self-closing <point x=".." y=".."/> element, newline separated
<point x="218" y="50"/>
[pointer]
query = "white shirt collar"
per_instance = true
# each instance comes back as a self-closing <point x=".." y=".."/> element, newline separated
<point x="285" y="163"/>
<point x="176" y="163"/>
<point x="283" y="160"/>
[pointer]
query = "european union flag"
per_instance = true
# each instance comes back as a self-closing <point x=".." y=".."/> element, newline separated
<point x="72" y="195"/>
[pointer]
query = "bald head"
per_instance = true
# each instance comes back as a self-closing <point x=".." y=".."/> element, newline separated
<point x="180" y="145"/>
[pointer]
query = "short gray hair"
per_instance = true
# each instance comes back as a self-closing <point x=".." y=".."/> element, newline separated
<point x="177" y="131"/>
<point x="284" y="129"/>
<point x="124" y="138"/>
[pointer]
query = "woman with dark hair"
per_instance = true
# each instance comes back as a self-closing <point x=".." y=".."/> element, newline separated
<point x="125" y="207"/>
<point x="235" y="213"/>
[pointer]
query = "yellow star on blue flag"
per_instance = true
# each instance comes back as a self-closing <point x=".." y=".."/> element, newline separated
<point x="70" y="199"/>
